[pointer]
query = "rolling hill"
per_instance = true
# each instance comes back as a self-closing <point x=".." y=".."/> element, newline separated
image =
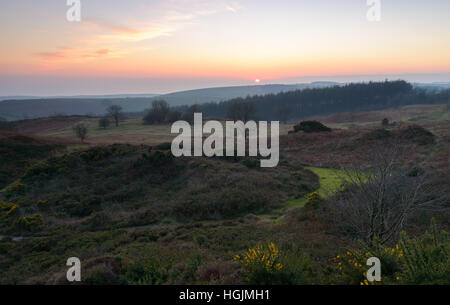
<point x="23" y="108"/>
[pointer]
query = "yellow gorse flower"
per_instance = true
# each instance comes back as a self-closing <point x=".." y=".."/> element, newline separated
<point x="266" y="257"/>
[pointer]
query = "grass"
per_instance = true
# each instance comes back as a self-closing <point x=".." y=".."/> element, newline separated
<point x="130" y="130"/>
<point x="330" y="181"/>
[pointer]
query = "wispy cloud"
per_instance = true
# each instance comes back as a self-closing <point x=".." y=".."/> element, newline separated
<point x="99" y="38"/>
<point x="77" y="54"/>
<point x="113" y="34"/>
<point x="51" y="55"/>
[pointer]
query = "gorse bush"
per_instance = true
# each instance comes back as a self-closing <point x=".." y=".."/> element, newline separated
<point x="426" y="260"/>
<point x="418" y="261"/>
<point x="16" y="188"/>
<point x="313" y="200"/>
<point x="261" y="265"/>
<point x="266" y="265"/>
<point x="14" y="210"/>
<point x="311" y="126"/>
<point x="31" y="223"/>
<point x="351" y="266"/>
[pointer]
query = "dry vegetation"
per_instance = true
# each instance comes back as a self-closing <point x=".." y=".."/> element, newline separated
<point x="135" y="215"/>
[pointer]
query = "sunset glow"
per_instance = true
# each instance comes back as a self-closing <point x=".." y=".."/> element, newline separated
<point x="229" y="41"/>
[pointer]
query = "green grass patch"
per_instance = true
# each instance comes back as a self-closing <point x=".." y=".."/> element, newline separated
<point x="330" y="179"/>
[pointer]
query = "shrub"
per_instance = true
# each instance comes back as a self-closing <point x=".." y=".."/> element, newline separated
<point x="17" y="188"/>
<point x="311" y="126"/>
<point x="224" y="204"/>
<point x="6" y="206"/>
<point x="261" y="265"/>
<point x="251" y="162"/>
<point x="314" y="200"/>
<point x="100" y="275"/>
<point x="151" y="272"/>
<point x="163" y="146"/>
<point x="42" y="204"/>
<point x="31" y="223"/>
<point x="418" y="134"/>
<point x="14" y="210"/>
<point x="426" y="260"/>
<point x="351" y="266"/>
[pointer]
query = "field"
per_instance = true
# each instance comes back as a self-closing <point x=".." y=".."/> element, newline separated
<point x="405" y="114"/>
<point x="134" y="214"/>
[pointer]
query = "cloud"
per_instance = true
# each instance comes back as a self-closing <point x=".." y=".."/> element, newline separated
<point x="99" y="38"/>
<point x="107" y="33"/>
<point x="102" y="52"/>
<point x="80" y="54"/>
<point x="51" y="55"/>
<point x="110" y="28"/>
<point x="234" y="6"/>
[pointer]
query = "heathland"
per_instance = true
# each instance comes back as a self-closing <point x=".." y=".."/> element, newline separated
<point x="374" y="183"/>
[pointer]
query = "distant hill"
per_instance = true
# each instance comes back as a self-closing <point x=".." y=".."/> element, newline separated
<point x="219" y="94"/>
<point x="433" y="87"/>
<point x="17" y="108"/>
<point x="26" y="97"/>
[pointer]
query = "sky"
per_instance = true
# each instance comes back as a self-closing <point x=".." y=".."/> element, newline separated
<point x="160" y="46"/>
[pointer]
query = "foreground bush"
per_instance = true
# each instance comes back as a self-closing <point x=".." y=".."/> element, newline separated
<point x="311" y="126"/>
<point x="264" y="265"/>
<point x="418" y="261"/>
<point x="427" y="259"/>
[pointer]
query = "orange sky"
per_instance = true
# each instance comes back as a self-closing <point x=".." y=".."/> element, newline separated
<point x="233" y="40"/>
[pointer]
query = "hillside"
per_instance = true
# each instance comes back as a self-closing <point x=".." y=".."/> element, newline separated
<point x="136" y="215"/>
<point x="18" y="109"/>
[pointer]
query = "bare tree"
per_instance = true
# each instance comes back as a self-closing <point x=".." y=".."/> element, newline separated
<point x="376" y="202"/>
<point x="115" y="112"/>
<point x="80" y="131"/>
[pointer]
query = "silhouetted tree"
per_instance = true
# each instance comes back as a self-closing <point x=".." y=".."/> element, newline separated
<point x="158" y="113"/>
<point x="188" y="116"/>
<point x="80" y="131"/>
<point x="115" y="112"/>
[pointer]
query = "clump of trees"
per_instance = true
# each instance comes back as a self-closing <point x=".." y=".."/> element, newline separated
<point x="161" y="113"/>
<point x="311" y="126"/>
<point x="80" y="131"/>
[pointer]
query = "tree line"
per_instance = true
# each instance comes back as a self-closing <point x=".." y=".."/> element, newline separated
<point x="321" y="101"/>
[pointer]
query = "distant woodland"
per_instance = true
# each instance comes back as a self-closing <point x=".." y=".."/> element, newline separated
<point x="319" y="101"/>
